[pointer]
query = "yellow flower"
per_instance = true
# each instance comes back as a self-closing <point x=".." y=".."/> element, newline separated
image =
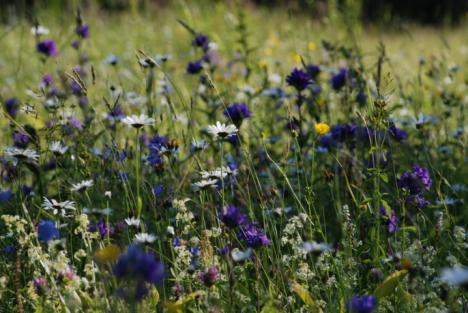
<point x="107" y="254"/>
<point x="312" y="46"/>
<point x="322" y="128"/>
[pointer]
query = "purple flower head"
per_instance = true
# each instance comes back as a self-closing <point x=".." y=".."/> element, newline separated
<point x="313" y="70"/>
<point x="339" y="79"/>
<point x="201" y="41"/>
<point x="194" y="67"/>
<point x="397" y="133"/>
<point x="12" y="107"/>
<point x="47" y="79"/>
<point x="232" y="216"/>
<point x="237" y="112"/>
<point x="48" y="47"/>
<point x="75" y="44"/>
<point x="75" y="88"/>
<point x="82" y="30"/>
<point x="75" y="123"/>
<point x="417" y="201"/>
<point x="138" y="265"/>
<point x="416" y="181"/>
<point x="104" y="229"/>
<point x="46" y="231"/>
<point x="20" y="139"/>
<point x="298" y="79"/>
<point x="390" y="220"/>
<point x="253" y="236"/>
<point x="364" y="304"/>
<point x="210" y="276"/>
<point x="361" y="97"/>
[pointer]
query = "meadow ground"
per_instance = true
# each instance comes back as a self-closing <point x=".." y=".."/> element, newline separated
<point x="335" y="181"/>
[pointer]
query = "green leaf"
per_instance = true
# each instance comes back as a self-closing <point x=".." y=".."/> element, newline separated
<point x="270" y="307"/>
<point x="387" y="287"/>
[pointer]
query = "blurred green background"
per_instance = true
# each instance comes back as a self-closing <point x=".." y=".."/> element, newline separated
<point x="377" y="11"/>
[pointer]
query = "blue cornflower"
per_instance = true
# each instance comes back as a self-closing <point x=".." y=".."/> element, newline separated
<point x="194" y="67"/>
<point x="253" y="236"/>
<point x="201" y="41"/>
<point x="5" y="195"/>
<point x="397" y="133"/>
<point x="47" y="231"/>
<point x="48" y="47"/>
<point x="12" y="106"/>
<point x="237" y="112"/>
<point x="313" y="70"/>
<point x="298" y="79"/>
<point x="141" y="268"/>
<point x="364" y="304"/>
<point x="9" y="249"/>
<point x="232" y="216"/>
<point x="339" y="79"/>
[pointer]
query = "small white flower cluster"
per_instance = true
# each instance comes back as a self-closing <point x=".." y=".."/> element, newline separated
<point x="184" y="218"/>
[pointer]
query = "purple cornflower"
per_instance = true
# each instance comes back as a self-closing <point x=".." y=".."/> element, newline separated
<point x="397" y="133"/>
<point x="20" y="139"/>
<point x="12" y="107"/>
<point x="364" y="304"/>
<point x="298" y="79"/>
<point x="339" y="79"/>
<point x="48" y="47"/>
<point x="194" y="67"/>
<point x="210" y="276"/>
<point x="415" y="181"/>
<point x="46" y="231"/>
<point x="253" y="236"/>
<point x="82" y="30"/>
<point x="75" y="88"/>
<point x="232" y="216"/>
<point x="237" y="112"/>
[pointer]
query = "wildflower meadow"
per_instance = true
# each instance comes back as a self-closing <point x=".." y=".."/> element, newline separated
<point x="224" y="156"/>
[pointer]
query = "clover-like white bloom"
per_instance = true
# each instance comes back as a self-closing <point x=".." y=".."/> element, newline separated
<point x="58" y="207"/>
<point x="221" y="130"/>
<point x="132" y="221"/>
<point x="145" y="238"/>
<point x="82" y="185"/>
<point x="57" y="147"/>
<point x="138" y="121"/>
<point x="22" y="154"/>
<point x="220" y="172"/>
<point x="204" y="184"/>
<point x="39" y="30"/>
<point x="456" y="276"/>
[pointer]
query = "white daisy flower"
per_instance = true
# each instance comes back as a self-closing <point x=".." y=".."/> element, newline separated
<point x="204" y="184"/>
<point x="57" y="147"/>
<point x="58" y="207"/>
<point x="221" y="130"/>
<point x="220" y="172"/>
<point x="84" y="184"/>
<point x="22" y="154"/>
<point x="138" y="121"/>
<point x="132" y="221"/>
<point x="39" y="30"/>
<point x="145" y="238"/>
